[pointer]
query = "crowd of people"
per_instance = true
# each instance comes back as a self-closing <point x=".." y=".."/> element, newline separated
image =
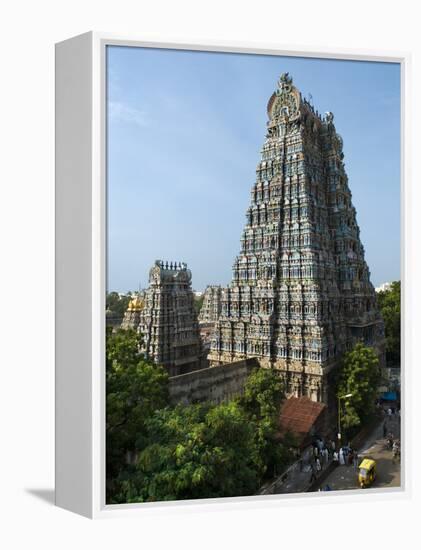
<point x="392" y="442"/>
<point x="324" y="453"/>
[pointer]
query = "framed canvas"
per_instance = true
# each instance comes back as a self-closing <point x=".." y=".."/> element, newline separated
<point x="230" y="246"/>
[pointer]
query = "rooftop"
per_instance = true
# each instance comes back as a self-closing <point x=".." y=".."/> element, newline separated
<point x="299" y="414"/>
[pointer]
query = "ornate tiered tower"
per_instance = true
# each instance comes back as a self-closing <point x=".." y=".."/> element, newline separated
<point x="300" y="294"/>
<point x="167" y="319"/>
<point x="131" y="317"/>
<point x="211" y="307"/>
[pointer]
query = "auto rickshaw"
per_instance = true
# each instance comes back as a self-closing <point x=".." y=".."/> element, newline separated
<point x="366" y="472"/>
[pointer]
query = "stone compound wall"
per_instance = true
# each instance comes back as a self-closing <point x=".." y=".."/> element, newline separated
<point x="214" y="384"/>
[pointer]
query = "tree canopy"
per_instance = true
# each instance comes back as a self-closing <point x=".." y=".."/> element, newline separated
<point x="117" y="304"/>
<point x="194" y="451"/>
<point x="135" y="389"/>
<point x="263" y="394"/>
<point x="359" y="376"/>
<point x="190" y="451"/>
<point x="390" y="306"/>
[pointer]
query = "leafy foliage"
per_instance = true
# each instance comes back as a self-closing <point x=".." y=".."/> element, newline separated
<point x="263" y="394"/>
<point x="261" y="401"/>
<point x="117" y="304"/>
<point x="360" y="376"/>
<point x="205" y="450"/>
<point x="136" y="388"/>
<point x="195" y="451"/>
<point x="390" y="306"/>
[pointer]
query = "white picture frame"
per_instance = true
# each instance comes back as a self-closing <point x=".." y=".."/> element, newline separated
<point x="80" y="273"/>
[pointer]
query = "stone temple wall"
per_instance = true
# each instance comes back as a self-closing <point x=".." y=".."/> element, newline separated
<point x="214" y="384"/>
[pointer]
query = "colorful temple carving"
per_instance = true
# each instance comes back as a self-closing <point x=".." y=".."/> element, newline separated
<point x="300" y="294"/>
<point x="131" y="317"/>
<point x="211" y="307"/>
<point x="165" y="317"/>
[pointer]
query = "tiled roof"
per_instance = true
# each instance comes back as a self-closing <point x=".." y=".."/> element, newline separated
<point x="299" y="414"/>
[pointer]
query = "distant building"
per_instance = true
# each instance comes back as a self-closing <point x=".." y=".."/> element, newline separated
<point x="384" y="287"/>
<point x="211" y="307"/>
<point x="165" y="316"/>
<point x="131" y="317"/>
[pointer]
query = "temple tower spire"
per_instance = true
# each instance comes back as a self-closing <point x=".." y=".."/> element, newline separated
<point x="300" y="294"/>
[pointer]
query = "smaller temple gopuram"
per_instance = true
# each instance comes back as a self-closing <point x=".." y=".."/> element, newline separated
<point x="211" y="307"/>
<point x="131" y="318"/>
<point x="165" y="316"/>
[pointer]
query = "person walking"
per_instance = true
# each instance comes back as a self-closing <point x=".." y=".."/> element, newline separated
<point x="318" y="465"/>
<point x="341" y="457"/>
<point x="335" y="458"/>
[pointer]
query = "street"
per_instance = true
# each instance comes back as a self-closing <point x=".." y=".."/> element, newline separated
<point x="388" y="470"/>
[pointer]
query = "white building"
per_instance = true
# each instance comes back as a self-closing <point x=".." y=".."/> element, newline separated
<point x="383" y="287"/>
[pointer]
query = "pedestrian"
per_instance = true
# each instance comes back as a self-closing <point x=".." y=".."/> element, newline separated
<point x="389" y="412"/>
<point x="318" y="465"/>
<point x="326" y="456"/>
<point x="335" y="458"/>
<point x="315" y="451"/>
<point x="341" y="457"/>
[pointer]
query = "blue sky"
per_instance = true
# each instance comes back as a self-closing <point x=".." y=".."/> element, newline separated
<point x="185" y="130"/>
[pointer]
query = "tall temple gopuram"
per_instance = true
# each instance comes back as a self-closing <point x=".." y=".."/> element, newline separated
<point x="300" y="295"/>
<point x="165" y="316"/>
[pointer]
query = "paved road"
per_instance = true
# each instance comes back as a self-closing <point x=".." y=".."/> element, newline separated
<point x="388" y="471"/>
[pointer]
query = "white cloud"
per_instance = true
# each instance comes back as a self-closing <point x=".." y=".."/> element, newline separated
<point x="120" y="112"/>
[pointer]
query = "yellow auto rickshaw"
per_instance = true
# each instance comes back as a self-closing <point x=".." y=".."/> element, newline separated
<point x="366" y="472"/>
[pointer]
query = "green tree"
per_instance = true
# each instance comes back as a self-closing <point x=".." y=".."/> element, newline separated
<point x="185" y="452"/>
<point x="359" y="376"/>
<point x="135" y="389"/>
<point x="195" y="451"/>
<point x="261" y="401"/>
<point x="390" y="306"/>
<point x="117" y="304"/>
<point x="263" y="394"/>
